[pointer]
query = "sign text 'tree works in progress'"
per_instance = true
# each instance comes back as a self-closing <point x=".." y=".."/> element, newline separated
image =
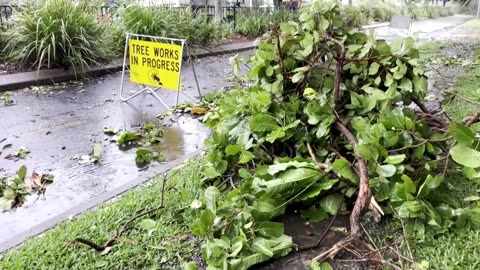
<point x="155" y="64"/>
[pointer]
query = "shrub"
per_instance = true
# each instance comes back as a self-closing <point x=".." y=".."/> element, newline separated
<point x="444" y="12"/>
<point x="57" y="33"/>
<point x="255" y="23"/>
<point x="353" y="16"/>
<point x="252" y="24"/>
<point x="413" y="11"/>
<point x="195" y="27"/>
<point x="375" y="11"/>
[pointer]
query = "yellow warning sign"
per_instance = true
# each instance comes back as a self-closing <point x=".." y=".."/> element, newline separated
<point x="154" y="63"/>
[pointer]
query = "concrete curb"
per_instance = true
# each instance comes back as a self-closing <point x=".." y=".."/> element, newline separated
<point x="50" y="76"/>
<point x="18" y="239"/>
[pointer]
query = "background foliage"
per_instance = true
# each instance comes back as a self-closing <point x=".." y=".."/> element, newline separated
<point x="57" y="33"/>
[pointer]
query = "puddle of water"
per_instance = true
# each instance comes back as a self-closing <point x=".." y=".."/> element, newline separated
<point x="76" y="183"/>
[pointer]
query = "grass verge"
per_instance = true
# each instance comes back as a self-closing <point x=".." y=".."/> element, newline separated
<point x="473" y="24"/>
<point x="161" y="246"/>
<point x="466" y="87"/>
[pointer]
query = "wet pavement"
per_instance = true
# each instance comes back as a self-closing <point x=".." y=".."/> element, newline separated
<point x="59" y="122"/>
<point x="425" y="29"/>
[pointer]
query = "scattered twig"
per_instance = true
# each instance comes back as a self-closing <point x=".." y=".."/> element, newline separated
<point x="110" y="242"/>
<point x="312" y="155"/>
<point x="405" y="238"/>
<point x="464" y="98"/>
<point x="472" y="119"/>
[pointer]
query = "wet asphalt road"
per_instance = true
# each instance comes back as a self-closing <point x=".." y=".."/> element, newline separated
<point x="59" y="122"/>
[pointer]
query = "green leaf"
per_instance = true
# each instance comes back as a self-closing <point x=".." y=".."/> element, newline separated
<point x="405" y="84"/>
<point x="269" y="71"/>
<point x="315" y="190"/>
<point x="127" y="136"/>
<point x="211" y="196"/>
<point x="405" y="190"/>
<point x="246" y="157"/>
<point x="410" y="209"/>
<point x="298" y="77"/>
<point x="209" y="172"/>
<point x="262" y="246"/>
<point x="189" y="266"/>
<point x="419" y="151"/>
<point x="395" y="159"/>
<point x="462" y="133"/>
<point x="5" y="204"/>
<point x="148" y="224"/>
<point x="291" y="180"/>
<point x="431" y="183"/>
<point x="343" y="167"/>
<point x="373" y="68"/>
<point x="232" y="150"/>
<point x="269" y="229"/>
<point x="22" y="172"/>
<point x="314" y="214"/>
<point x="386" y="170"/>
<point x="206" y="219"/>
<point x="332" y="203"/>
<point x="465" y="156"/>
<point x="97" y="150"/>
<point x="263" y="122"/>
<point x="275" y="135"/>
<point x="251" y="260"/>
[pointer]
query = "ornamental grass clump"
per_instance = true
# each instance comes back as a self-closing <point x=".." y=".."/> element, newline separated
<point x="195" y="27"/>
<point x="57" y="33"/>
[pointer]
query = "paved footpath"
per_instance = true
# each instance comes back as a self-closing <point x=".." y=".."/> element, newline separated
<point x="59" y="122"/>
<point x="426" y="29"/>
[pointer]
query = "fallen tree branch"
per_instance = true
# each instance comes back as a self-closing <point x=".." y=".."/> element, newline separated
<point x="364" y="193"/>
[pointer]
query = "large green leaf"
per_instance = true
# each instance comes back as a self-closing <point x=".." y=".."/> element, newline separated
<point x="406" y="189"/>
<point x="279" y="167"/>
<point x="431" y="183"/>
<point x="465" y="156"/>
<point x="395" y="159"/>
<point x="269" y="229"/>
<point x="332" y="203"/>
<point x="387" y="170"/>
<point x="291" y="180"/>
<point x="343" y="168"/>
<point x="263" y="122"/>
<point x="262" y="246"/>
<point x="22" y="172"/>
<point x="211" y="198"/>
<point x="461" y="133"/>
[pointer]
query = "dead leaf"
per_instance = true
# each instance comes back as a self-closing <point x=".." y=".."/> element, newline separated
<point x="198" y="110"/>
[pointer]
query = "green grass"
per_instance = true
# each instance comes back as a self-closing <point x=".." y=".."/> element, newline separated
<point x="467" y="86"/>
<point x="432" y="47"/>
<point x="161" y="248"/>
<point x="473" y="24"/>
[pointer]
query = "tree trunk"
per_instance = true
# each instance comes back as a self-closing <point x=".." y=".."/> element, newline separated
<point x="350" y="2"/>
